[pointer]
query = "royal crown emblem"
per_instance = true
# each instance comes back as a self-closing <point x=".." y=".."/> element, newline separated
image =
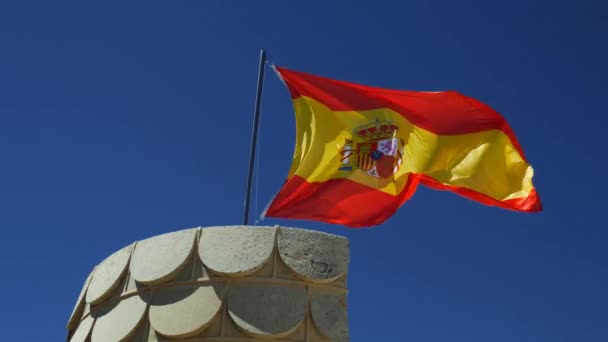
<point x="374" y="149"/>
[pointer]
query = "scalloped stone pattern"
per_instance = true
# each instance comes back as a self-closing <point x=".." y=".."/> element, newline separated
<point x="229" y="284"/>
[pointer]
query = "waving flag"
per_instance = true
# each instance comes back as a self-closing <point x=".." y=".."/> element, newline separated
<point x="362" y="151"/>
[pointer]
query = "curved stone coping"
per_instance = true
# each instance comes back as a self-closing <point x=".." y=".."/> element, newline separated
<point x="233" y="251"/>
<point x="185" y="311"/>
<point x="236" y="251"/>
<point x="328" y="312"/>
<point x="80" y="303"/>
<point x="161" y="257"/>
<point x="117" y="320"/>
<point x="327" y="288"/>
<point x="274" y="261"/>
<point x="314" y="256"/>
<point x="83" y="331"/>
<point x="267" y="311"/>
<point x="108" y="275"/>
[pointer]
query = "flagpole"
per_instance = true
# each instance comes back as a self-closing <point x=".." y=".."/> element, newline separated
<point x="254" y="134"/>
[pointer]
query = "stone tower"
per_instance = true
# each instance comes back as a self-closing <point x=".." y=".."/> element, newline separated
<point x="225" y="284"/>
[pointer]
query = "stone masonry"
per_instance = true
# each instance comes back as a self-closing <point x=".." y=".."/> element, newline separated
<point x="228" y="284"/>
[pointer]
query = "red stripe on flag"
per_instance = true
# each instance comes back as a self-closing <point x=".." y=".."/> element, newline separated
<point x="337" y="201"/>
<point x="345" y="202"/>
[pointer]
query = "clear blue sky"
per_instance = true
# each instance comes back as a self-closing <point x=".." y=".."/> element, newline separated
<point x="127" y="120"/>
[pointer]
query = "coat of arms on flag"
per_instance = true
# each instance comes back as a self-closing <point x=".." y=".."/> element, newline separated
<point x="374" y="149"/>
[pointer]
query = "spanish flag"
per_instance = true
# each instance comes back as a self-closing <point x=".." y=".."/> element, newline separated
<point x="362" y="151"/>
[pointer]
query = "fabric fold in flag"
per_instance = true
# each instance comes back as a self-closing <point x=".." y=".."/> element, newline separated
<point x="362" y="151"/>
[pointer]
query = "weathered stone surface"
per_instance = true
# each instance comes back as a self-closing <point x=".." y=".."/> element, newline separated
<point x="184" y="311"/>
<point x="264" y="310"/>
<point x="84" y="330"/>
<point x="78" y="310"/>
<point x="236" y="251"/>
<point x="108" y="275"/>
<point x="160" y="258"/>
<point x="116" y="321"/>
<point x="238" y="300"/>
<point x="314" y="256"/>
<point x="329" y="316"/>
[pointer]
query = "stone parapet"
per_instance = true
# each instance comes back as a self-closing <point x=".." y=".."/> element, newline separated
<point x="234" y="283"/>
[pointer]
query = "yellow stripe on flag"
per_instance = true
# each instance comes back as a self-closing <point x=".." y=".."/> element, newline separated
<point x="485" y="161"/>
